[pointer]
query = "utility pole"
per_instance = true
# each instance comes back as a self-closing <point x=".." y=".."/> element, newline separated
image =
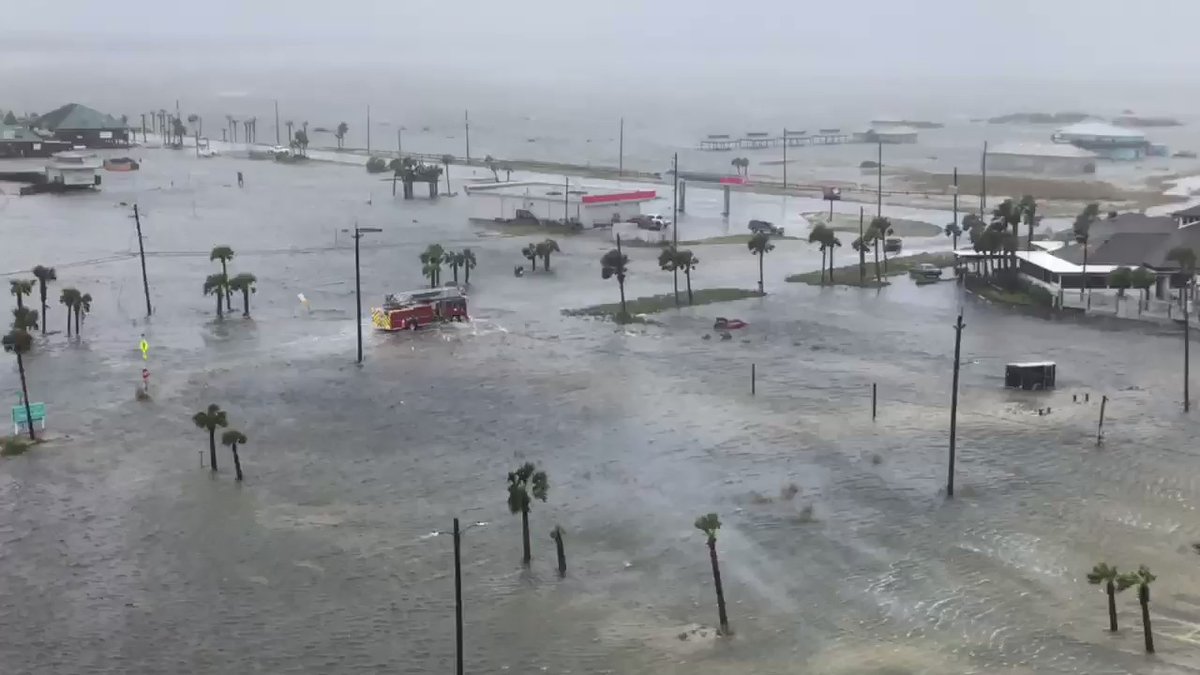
<point x="137" y="220"/>
<point x="983" y="182"/>
<point x="675" y="223"/>
<point x="458" y="605"/>
<point x="368" y="128"/>
<point x="958" y="329"/>
<point x="956" y="196"/>
<point x="785" y="161"/>
<point x="621" y="151"/>
<point x="399" y="143"/>
<point x="879" y="187"/>
<point x="358" y="233"/>
<point x="862" y="243"/>
<point x="277" y="122"/>
<point x="467" y="127"/>
<point x="1187" y="341"/>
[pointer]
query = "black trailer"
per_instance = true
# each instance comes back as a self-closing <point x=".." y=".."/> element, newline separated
<point x="1035" y="375"/>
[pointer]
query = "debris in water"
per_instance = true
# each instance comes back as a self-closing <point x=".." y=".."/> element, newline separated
<point x="789" y="491"/>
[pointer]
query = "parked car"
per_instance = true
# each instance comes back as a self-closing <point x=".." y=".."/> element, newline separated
<point x="757" y="226"/>
<point x="651" y="221"/>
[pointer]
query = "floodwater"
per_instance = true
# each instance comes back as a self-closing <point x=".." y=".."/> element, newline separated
<point x="119" y="553"/>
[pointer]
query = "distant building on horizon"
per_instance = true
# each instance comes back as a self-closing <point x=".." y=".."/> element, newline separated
<point x="1047" y="158"/>
<point x="1106" y="140"/>
<point x="80" y="125"/>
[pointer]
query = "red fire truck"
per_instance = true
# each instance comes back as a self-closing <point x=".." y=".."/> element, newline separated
<point x="411" y="310"/>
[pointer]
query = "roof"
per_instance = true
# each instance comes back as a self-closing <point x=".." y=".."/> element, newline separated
<point x="1057" y="265"/>
<point x="18" y="133"/>
<point x="1031" y="364"/>
<point x="1099" y="129"/>
<point x="542" y="191"/>
<point x="1041" y="150"/>
<point x="77" y="116"/>
<point x="1189" y="211"/>
<point x="894" y="131"/>
<point x="1134" y="248"/>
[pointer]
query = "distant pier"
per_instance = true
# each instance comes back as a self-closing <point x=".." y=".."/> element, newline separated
<point x="762" y="141"/>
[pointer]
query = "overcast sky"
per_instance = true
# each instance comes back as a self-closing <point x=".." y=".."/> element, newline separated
<point x="1043" y="39"/>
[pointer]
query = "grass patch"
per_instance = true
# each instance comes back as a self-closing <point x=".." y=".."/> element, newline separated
<point x="848" y="275"/>
<point x="652" y="304"/>
<point x="730" y="239"/>
<point x="14" y="445"/>
<point x="848" y="223"/>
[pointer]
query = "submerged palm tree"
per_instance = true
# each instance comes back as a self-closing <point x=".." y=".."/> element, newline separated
<point x="209" y="419"/>
<point x="818" y="236"/>
<point x="224" y="254"/>
<point x="340" y="134"/>
<point x="954" y="231"/>
<point x="760" y="245"/>
<point x="20" y="342"/>
<point x="82" y="306"/>
<point x="25" y="319"/>
<point x="1028" y="209"/>
<point x="44" y="276"/>
<point x="1142" y="578"/>
<point x="672" y="260"/>
<point x="831" y="242"/>
<point x="431" y="263"/>
<point x="233" y="438"/>
<point x="1103" y="574"/>
<point x="709" y="524"/>
<point x="218" y="285"/>
<point x="616" y="264"/>
<point x="880" y="229"/>
<point x="454" y="260"/>
<point x="468" y="257"/>
<point x="490" y="163"/>
<point x="245" y="284"/>
<point x="530" y="252"/>
<point x="544" y="250"/>
<point x="446" y="159"/>
<point x="68" y="297"/>
<point x="20" y="288"/>
<point x="525" y="485"/>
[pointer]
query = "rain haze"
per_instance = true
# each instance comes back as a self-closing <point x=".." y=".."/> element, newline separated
<point x="247" y="240"/>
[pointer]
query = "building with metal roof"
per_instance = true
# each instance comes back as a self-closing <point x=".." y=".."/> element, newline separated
<point x="1107" y="140"/>
<point x="1047" y="158"/>
<point x="80" y="125"/>
<point x="19" y="141"/>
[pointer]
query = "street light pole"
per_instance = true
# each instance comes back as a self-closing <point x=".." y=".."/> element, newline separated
<point x="358" y="233"/>
<point x="458" y="606"/>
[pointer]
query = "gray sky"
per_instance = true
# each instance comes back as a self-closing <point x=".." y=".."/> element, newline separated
<point x="908" y="39"/>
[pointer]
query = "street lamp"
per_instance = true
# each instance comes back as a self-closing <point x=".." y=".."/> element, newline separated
<point x="358" y="233"/>
<point x="458" y="608"/>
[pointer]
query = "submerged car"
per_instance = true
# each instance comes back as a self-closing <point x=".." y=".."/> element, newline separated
<point x="757" y="226"/>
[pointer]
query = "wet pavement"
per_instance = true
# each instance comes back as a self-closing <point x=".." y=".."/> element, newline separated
<point x="119" y="553"/>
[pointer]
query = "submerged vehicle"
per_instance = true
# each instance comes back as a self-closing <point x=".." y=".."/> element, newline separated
<point x="926" y="273"/>
<point x="728" y="324"/>
<point x="411" y="310"/>
<point x="121" y="164"/>
<point x="757" y="226"/>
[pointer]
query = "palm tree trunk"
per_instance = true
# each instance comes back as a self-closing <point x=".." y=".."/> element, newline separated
<point x="716" y="569"/>
<point x="621" y="285"/>
<point x="454" y="269"/>
<point x="246" y="302"/>
<point x="77" y="313"/>
<point x="1083" y="283"/>
<point x="885" y="257"/>
<point x="878" y="279"/>
<point x="1112" y="606"/>
<point x="447" y="179"/>
<point x="25" y="394"/>
<point x="237" y="462"/>
<point x="534" y="261"/>
<point x="212" y="448"/>
<point x="20" y="302"/>
<point x="467" y="274"/>
<point x="823" y="253"/>
<point x="546" y="262"/>
<point x="760" y="272"/>
<point x="42" y="288"/>
<point x="68" y="321"/>
<point x="228" y="291"/>
<point x="219" y="299"/>
<point x="1144" y="597"/>
<point x="831" y="265"/>
<point x="688" y="275"/>
<point x="525" y="536"/>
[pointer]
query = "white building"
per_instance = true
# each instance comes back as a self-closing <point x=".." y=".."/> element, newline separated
<point x="1049" y="158"/>
<point x="1106" y="140"/>
<point x="72" y="170"/>
<point x="589" y="206"/>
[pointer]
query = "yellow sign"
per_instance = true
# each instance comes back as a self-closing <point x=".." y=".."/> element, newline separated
<point x="145" y="346"/>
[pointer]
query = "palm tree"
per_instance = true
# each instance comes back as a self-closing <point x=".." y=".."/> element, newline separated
<point x="20" y="341"/>
<point x="685" y="262"/>
<point x="302" y="141"/>
<point x="340" y="134"/>
<point x="709" y="525"/>
<point x="217" y="284"/>
<point x="544" y="249"/>
<point x="760" y="245"/>
<point x="831" y="242"/>
<point x="224" y="254"/>
<point x="490" y="163"/>
<point x="525" y="485"/>
<point x="1082" y="229"/>
<point x="446" y="159"/>
<point x="877" y="231"/>
<point x="25" y="318"/>
<point x="178" y="129"/>
<point x="818" y="236"/>
<point x="1142" y="579"/>
<point x="1007" y="215"/>
<point x="1120" y="279"/>
<point x="1186" y="259"/>
<point x="244" y="283"/>
<point x="1103" y="574"/>
<point x="737" y="165"/>
<point x="82" y="306"/>
<point x="210" y="419"/>
<point x="68" y="297"/>
<point x="20" y="288"/>
<point x="531" y="253"/>
<point x="289" y="124"/>
<point x="616" y="264"/>
<point x="468" y="257"/>
<point x="44" y="276"/>
<point x="1028" y="210"/>
<point x="234" y="438"/>
<point x="861" y="246"/>
<point x="954" y="231"/>
<point x="454" y="260"/>
<point x="976" y="228"/>
<point x="431" y="263"/>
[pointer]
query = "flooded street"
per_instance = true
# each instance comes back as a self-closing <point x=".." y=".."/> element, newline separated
<point x="120" y="554"/>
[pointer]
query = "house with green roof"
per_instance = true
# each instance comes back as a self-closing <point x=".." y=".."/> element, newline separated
<point x="19" y="141"/>
<point x="80" y="125"/>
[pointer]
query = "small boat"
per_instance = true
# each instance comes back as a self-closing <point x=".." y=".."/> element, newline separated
<point x="926" y="273"/>
<point x="121" y="164"/>
<point x="728" y="324"/>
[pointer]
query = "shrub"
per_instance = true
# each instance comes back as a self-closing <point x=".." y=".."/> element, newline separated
<point x="376" y="165"/>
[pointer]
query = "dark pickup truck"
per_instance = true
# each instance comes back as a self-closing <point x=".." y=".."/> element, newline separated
<point x="757" y="226"/>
